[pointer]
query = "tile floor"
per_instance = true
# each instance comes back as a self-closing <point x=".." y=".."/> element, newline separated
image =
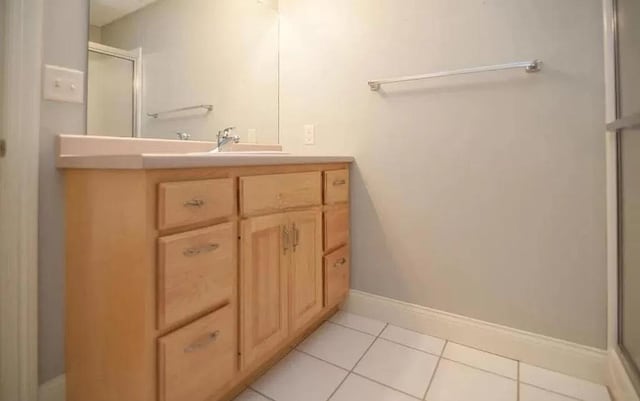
<point x="354" y="358"/>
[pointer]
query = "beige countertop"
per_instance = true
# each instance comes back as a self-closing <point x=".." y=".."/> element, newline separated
<point x="170" y="161"/>
<point x="83" y="152"/>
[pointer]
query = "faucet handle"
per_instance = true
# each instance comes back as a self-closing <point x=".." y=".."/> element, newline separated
<point x="183" y="136"/>
<point x="224" y="133"/>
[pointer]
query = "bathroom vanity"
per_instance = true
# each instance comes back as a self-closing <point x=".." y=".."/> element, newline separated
<point x="190" y="274"/>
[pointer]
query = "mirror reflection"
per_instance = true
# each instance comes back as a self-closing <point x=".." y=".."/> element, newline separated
<point x="184" y="69"/>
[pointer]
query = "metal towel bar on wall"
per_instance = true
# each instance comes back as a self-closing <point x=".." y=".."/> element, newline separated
<point x="529" y="66"/>
<point x="208" y="107"/>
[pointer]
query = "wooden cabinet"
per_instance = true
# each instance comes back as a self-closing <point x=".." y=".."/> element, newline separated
<point x="305" y="276"/>
<point x="263" y="294"/>
<point x="336" y="186"/>
<point x="196" y="271"/>
<point x="274" y="193"/>
<point x="337" y="257"/>
<point x="336" y="276"/>
<point x="198" y="360"/>
<point x="190" y="202"/>
<point x="185" y="284"/>
<point x="281" y="279"/>
<point x="336" y="227"/>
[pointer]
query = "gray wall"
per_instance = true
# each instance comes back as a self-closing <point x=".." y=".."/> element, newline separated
<point x="481" y="195"/>
<point x="65" y="44"/>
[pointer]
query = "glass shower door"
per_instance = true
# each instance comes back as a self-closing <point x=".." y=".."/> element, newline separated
<point x="628" y="135"/>
<point x="629" y="267"/>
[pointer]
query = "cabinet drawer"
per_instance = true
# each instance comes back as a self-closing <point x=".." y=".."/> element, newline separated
<point x="190" y="202"/>
<point x="336" y="228"/>
<point x="197" y="361"/>
<point x="336" y="186"/>
<point x="272" y="193"/>
<point x="336" y="276"/>
<point x="196" y="271"/>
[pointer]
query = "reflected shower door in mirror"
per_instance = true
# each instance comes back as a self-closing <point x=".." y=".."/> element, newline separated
<point x="203" y="66"/>
<point x="113" y="95"/>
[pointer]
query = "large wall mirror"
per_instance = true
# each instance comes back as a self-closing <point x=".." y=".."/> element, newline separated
<point x="177" y="69"/>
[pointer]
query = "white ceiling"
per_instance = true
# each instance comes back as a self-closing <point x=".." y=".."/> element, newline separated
<point x="106" y="11"/>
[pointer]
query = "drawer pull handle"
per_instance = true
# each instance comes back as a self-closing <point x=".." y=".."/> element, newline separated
<point x="285" y="239"/>
<point x="296" y="237"/>
<point x="340" y="262"/>
<point x="194" y="203"/>
<point x="189" y="252"/>
<point x="339" y="182"/>
<point x="211" y="337"/>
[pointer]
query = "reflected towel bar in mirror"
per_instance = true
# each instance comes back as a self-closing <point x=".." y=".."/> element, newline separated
<point x="207" y="107"/>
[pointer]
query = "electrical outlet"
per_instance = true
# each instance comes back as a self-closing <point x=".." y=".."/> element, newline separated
<point x="309" y="134"/>
<point x="63" y="84"/>
<point x="252" y="137"/>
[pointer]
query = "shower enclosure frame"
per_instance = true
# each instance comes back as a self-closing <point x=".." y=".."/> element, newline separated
<point x="616" y="126"/>
<point x="135" y="56"/>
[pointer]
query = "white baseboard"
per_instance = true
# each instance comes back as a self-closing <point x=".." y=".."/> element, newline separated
<point x="550" y="353"/>
<point x="619" y="381"/>
<point x="53" y="390"/>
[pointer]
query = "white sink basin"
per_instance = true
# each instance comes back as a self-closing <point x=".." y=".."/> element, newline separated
<point x="238" y="153"/>
<point x="239" y="149"/>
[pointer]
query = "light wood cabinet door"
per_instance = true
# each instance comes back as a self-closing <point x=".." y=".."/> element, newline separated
<point x="190" y="202"/>
<point x="336" y="228"/>
<point x="196" y="271"/>
<point x="336" y="276"/>
<point x="263" y="290"/>
<point x="336" y="186"/>
<point x="198" y="360"/>
<point x="274" y="193"/>
<point x="305" y="277"/>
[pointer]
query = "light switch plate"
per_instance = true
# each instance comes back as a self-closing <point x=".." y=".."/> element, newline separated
<point x="63" y="84"/>
<point x="309" y="134"/>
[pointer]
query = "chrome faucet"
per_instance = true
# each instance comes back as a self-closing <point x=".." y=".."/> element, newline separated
<point x="183" y="136"/>
<point x="225" y="136"/>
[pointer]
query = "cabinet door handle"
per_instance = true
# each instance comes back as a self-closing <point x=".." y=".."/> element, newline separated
<point x="194" y="203"/>
<point x="339" y="182"/>
<point x="285" y="239"/>
<point x="189" y="252"/>
<point x="296" y="237"/>
<point x="208" y="339"/>
<point x="340" y="262"/>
